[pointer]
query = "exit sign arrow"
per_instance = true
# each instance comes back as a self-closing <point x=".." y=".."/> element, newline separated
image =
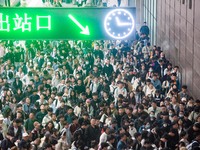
<point x="85" y="30"/>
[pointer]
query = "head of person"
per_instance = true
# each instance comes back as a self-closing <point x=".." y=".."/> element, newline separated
<point x="93" y="122"/>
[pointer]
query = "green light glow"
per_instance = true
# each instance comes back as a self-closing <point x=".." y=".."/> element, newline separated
<point x="85" y="30"/>
<point x="22" y="23"/>
<point x="4" y="24"/>
<point x="43" y="26"/>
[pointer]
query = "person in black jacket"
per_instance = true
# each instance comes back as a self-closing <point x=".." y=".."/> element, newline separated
<point x="8" y="142"/>
<point x="137" y="143"/>
<point x="92" y="132"/>
<point x="147" y="145"/>
<point x="108" y="68"/>
<point x="15" y="130"/>
<point x="144" y="29"/>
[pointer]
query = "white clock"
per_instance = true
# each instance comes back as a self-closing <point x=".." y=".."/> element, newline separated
<point x="119" y="23"/>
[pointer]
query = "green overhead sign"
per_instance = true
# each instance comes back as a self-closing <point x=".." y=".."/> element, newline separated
<point x="67" y="23"/>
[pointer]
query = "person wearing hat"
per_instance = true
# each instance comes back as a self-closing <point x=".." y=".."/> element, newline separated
<point x="88" y="108"/>
<point x="47" y="117"/>
<point x="24" y="142"/>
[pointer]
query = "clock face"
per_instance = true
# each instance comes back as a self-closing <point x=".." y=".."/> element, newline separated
<point x="119" y="23"/>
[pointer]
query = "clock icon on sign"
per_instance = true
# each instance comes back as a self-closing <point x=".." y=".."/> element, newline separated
<point x="119" y="23"/>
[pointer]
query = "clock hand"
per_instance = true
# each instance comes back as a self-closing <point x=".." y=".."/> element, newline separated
<point x="122" y="23"/>
<point x="117" y="19"/>
<point x="125" y="24"/>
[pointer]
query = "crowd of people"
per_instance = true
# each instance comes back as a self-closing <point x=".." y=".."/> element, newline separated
<point x="94" y="95"/>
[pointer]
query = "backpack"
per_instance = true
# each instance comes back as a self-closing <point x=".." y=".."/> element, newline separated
<point x="6" y="110"/>
<point x="4" y="144"/>
<point x="189" y="147"/>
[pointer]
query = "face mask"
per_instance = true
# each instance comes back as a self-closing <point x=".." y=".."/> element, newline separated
<point x="147" y="126"/>
<point x="87" y="62"/>
<point x="164" y="125"/>
<point x="170" y="114"/>
<point x="152" y="116"/>
<point x="181" y="116"/>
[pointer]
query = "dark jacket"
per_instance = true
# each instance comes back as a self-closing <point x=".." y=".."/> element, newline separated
<point x="121" y="145"/>
<point x="18" y="135"/>
<point x="92" y="134"/>
<point x="6" y="144"/>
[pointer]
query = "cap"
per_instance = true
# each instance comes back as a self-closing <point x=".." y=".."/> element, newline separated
<point x="49" y="63"/>
<point x="1" y="117"/>
<point x="25" y="134"/>
<point x="88" y="101"/>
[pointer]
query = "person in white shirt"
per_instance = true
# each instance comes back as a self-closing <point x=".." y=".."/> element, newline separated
<point x="112" y="87"/>
<point x="154" y="108"/>
<point x="58" y="100"/>
<point x="27" y="78"/>
<point x="42" y="100"/>
<point x="94" y="85"/>
<point x="104" y="135"/>
<point x="78" y="109"/>
<point x="120" y="90"/>
<point x="47" y="118"/>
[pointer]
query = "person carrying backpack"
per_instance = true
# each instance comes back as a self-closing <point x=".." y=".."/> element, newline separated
<point x="195" y="145"/>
